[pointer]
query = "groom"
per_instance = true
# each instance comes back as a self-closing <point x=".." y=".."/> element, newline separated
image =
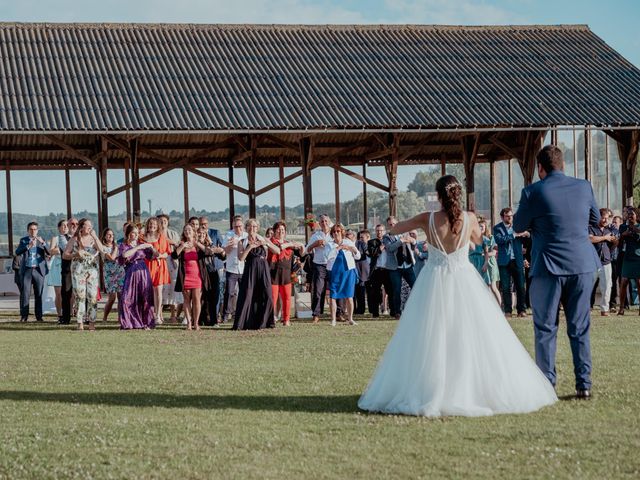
<point x="563" y="262"/>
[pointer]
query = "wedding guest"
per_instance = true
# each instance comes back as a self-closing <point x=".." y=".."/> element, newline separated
<point x="268" y="233"/>
<point x="254" y="309"/>
<point x="83" y="249"/>
<point x="630" y="241"/>
<point x="319" y="247"/>
<point x="487" y="266"/>
<point x="234" y="266"/>
<point x="281" y="264"/>
<point x="420" y="253"/>
<point x="54" y="279"/>
<point x="378" y="274"/>
<point x="33" y="270"/>
<point x="195" y="223"/>
<point x="192" y="274"/>
<point x="510" y="263"/>
<point x="169" y="296"/>
<point x="210" y="281"/>
<point x="135" y="307"/>
<point x="66" y="289"/>
<point x="399" y="264"/>
<point x="157" y="265"/>
<point x="362" y="267"/>
<point x="603" y="241"/>
<point x="342" y="280"/>
<point x="112" y="271"/>
<point x="215" y="269"/>
<point x="615" y="271"/>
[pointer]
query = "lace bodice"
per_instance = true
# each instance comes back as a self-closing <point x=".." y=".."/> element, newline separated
<point x="438" y="257"/>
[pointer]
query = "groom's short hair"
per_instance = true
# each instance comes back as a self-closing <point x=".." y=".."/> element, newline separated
<point x="550" y="157"/>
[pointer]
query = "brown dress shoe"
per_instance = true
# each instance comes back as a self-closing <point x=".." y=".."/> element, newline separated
<point x="583" y="394"/>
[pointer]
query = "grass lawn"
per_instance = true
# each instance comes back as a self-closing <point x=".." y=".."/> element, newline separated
<point x="282" y="404"/>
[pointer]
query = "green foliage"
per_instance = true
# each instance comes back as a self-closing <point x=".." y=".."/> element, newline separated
<point x="282" y="404"/>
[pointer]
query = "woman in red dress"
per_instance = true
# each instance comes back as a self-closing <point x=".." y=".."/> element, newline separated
<point x="157" y="266"/>
<point x="281" y="264"/>
<point x="190" y="276"/>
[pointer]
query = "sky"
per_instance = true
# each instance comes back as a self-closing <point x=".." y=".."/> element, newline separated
<point x="615" y="21"/>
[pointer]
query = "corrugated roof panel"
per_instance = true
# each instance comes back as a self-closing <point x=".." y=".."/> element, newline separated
<point x="82" y="77"/>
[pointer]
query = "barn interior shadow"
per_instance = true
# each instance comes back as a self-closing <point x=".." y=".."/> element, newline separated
<point x="309" y="404"/>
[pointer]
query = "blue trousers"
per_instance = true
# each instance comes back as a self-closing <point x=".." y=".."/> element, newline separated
<point x="573" y="292"/>
<point x="396" y="277"/>
<point x="31" y="276"/>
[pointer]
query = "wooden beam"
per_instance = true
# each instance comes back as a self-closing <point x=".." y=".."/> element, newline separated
<point x="306" y="157"/>
<point x="406" y="153"/>
<point x="67" y="184"/>
<point x="127" y="180"/>
<point x="282" y="143"/>
<point x="469" y="146"/>
<point x="282" y="181"/>
<point x="587" y="154"/>
<point x="279" y="183"/>
<point x="73" y="152"/>
<point x="217" y="180"/>
<point x="7" y="179"/>
<point x="336" y="192"/>
<point x="514" y="153"/>
<point x="365" y="180"/>
<point x="99" y="226"/>
<point x="443" y="165"/>
<point x="391" y="168"/>
<point x="232" y="200"/>
<point x="331" y="158"/>
<point x="104" y="197"/>
<point x="492" y="180"/>
<point x="365" y="209"/>
<point x="251" y="176"/>
<point x="185" y="194"/>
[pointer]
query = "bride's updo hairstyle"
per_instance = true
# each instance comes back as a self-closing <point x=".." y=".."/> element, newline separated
<point x="450" y="194"/>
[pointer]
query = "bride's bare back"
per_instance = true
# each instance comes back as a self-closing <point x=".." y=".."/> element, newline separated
<point x="450" y="240"/>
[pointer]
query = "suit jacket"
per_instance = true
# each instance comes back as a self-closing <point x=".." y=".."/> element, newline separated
<point x="215" y="237"/>
<point x="362" y="265"/>
<point x="391" y="244"/>
<point x="504" y="240"/>
<point x="558" y="211"/>
<point x="23" y="250"/>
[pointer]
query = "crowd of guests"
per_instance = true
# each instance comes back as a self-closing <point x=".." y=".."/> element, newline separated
<point x="245" y="278"/>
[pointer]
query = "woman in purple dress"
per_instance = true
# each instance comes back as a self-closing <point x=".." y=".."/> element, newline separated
<point x="135" y="307"/>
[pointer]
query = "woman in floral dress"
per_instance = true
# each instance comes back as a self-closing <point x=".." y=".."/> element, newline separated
<point x="112" y="271"/>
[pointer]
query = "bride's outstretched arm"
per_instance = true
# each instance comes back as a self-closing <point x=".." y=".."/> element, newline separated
<point x="419" y="221"/>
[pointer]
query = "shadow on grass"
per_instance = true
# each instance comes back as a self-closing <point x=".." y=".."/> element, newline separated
<point x="309" y="404"/>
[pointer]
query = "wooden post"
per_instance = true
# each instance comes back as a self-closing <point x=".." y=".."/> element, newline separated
<point x="251" y="176"/>
<point x="470" y="146"/>
<point x="510" y="180"/>
<point x="232" y="198"/>
<point x="127" y="181"/>
<point x="443" y="165"/>
<point x="392" y="175"/>
<point x="365" y="207"/>
<point x="67" y="183"/>
<point x="135" y="180"/>
<point x="306" y="157"/>
<point x="336" y="191"/>
<point x="282" y="199"/>
<point x="185" y="193"/>
<point x="7" y="179"/>
<point x="98" y="202"/>
<point x="104" y="197"/>
<point x="492" y="175"/>
<point x="628" y="146"/>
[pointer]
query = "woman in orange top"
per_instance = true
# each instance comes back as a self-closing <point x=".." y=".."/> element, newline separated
<point x="157" y="266"/>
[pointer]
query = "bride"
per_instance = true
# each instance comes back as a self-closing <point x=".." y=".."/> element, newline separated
<point x="453" y="352"/>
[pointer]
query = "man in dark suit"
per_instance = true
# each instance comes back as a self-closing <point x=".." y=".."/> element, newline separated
<point x="510" y="262"/>
<point x="378" y="274"/>
<point x="362" y="266"/>
<point x="563" y="262"/>
<point x="33" y="269"/>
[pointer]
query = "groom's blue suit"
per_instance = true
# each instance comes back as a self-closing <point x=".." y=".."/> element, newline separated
<point x="558" y="211"/>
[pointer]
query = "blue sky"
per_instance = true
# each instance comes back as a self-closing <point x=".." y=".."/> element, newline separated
<point x="616" y="22"/>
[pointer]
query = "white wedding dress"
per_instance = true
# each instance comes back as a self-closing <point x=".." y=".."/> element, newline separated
<point x="453" y="352"/>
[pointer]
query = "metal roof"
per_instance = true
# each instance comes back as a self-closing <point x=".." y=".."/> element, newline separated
<point x="221" y="78"/>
